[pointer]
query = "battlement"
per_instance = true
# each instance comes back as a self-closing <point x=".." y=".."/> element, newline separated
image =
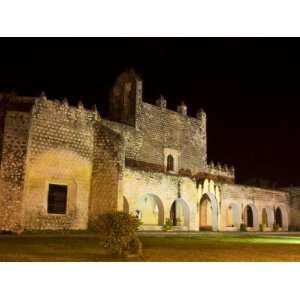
<point x="222" y="170"/>
<point x="182" y="109"/>
<point x="168" y="113"/>
<point x="62" y="110"/>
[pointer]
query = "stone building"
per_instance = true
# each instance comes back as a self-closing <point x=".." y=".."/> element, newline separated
<point x="62" y="165"/>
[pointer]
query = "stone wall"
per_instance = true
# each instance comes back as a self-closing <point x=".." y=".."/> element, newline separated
<point x="166" y="188"/>
<point x="14" y="150"/>
<point x="159" y="129"/>
<point x="150" y="130"/>
<point x="111" y="165"/>
<point x="60" y="151"/>
<point x="108" y="164"/>
<point x="256" y="197"/>
<point x="125" y="99"/>
<point x="163" y="128"/>
<point x="294" y="193"/>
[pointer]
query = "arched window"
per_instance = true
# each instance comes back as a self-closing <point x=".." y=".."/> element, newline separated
<point x="170" y="163"/>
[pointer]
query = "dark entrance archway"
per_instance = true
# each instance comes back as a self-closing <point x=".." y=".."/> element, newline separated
<point x="173" y="216"/>
<point x="179" y="213"/>
<point x="248" y="216"/>
<point x="278" y="217"/>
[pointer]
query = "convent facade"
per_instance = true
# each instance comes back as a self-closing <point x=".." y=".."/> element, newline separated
<point x="63" y="165"/>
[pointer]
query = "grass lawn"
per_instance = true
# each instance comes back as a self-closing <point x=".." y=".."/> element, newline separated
<point x="171" y="248"/>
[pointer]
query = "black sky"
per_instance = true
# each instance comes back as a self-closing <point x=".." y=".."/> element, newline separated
<point x="250" y="88"/>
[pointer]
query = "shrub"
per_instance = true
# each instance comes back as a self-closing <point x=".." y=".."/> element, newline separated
<point x="168" y="225"/>
<point x="243" y="227"/>
<point x="135" y="246"/>
<point x="119" y="232"/>
<point x="276" y="227"/>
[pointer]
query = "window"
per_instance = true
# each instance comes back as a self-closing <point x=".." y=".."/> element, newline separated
<point x="57" y="199"/>
<point x="170" y="163"/>
<point x="171" y="160"/>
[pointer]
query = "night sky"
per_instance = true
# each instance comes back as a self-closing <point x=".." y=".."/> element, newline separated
<point x="249" y="88"/>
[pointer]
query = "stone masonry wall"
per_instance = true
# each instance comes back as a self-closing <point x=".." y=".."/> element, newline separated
<point x="259" y="198"/>
<point x="161" y="128"/>
<point x="166" y="187"/>
<point x="61" y="146"/>
<point x="294" y="193"/>
<point x="15" y="138"/>
<point x="108" y="164"/>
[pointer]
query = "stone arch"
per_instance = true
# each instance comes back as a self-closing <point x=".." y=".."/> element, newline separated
<point x="125" y="205"/>
<point x="151" y="209"/>
<point x="284" y="216"/>
<point x="180" y="210"/>
<point x="267" y="217"/>
<point x="251" y="216"/>
<point x="233" y="215"/>
<point x="210" y="203"/>
<point x="264" y="217"/>
<point x="278" y="217"/>
<point x="205" y="214"/>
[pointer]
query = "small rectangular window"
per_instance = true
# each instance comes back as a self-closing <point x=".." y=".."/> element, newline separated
<point x="57" y="199"/>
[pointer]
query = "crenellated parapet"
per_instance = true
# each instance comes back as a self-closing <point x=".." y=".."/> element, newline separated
<point x="217" y="172"/>
<point x="182" y="108"/>
<point x="219" y="169"/>
<point x="161" y="102"/>
<point x="63" y="112"/>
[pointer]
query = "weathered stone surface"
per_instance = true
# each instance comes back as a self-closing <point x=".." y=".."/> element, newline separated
<point x="60" y="152"/>
<point x="108" y="165"/>
<point x="14" y="149"/>
<point x="259" y="198"/>
<point x="122" y="163"/>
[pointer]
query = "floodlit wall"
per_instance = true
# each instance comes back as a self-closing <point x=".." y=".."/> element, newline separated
<point x="239" y="196"/>
<point x="14" y="151"/>
<point x="150" y="129"/>
<point x="294" y="209"/>
<point x="167" y="188"/>
<point x="60" y="151"/>
<point x="117" y="164"/>
<point x="108" y="164"/>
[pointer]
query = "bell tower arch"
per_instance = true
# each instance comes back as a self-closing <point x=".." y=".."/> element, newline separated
<point x="126" y="99"/>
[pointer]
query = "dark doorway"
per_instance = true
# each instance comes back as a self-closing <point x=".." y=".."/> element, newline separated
<point x="278" y="217"/>
<point x="249" y="216"/>
<point x="173" y="216"/>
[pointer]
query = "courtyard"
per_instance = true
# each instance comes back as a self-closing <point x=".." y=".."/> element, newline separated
<point x="158" y="247"/>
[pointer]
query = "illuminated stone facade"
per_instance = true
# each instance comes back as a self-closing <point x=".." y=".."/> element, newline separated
<point x="144" y="159"/>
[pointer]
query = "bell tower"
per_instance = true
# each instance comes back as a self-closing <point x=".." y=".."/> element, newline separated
<point x="126" y="99"/>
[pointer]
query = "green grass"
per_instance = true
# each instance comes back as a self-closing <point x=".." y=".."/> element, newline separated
<point x="171" y="248"/>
